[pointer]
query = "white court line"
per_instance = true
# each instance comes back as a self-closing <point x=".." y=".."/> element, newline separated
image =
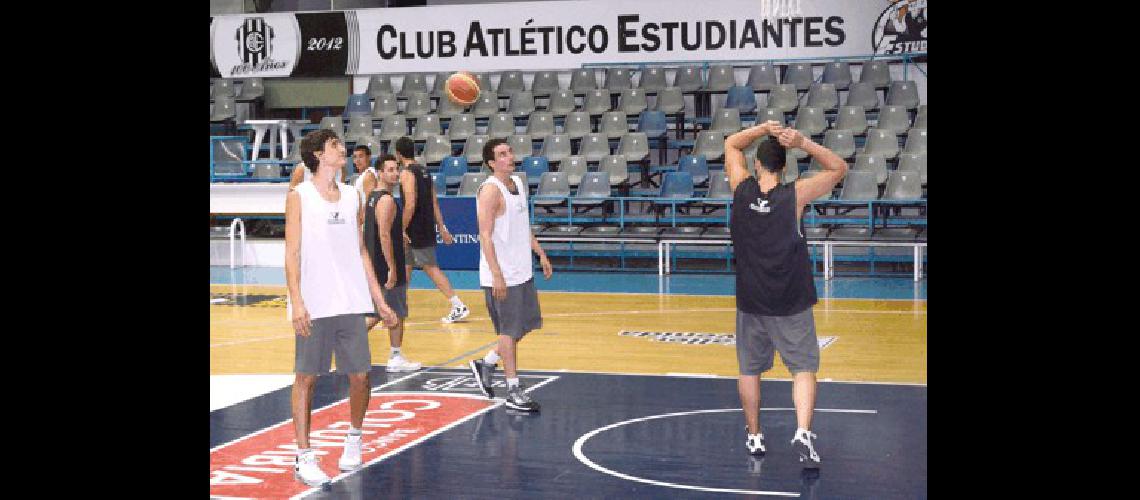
<point x="581" y="441"/>
<point x="498" y="402"/>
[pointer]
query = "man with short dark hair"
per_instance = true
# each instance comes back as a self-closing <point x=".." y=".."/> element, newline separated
<point x="420" y="219"/>
<point x="775" y="290"/>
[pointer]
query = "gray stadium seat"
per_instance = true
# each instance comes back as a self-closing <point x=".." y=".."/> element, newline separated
<point x="487" y="105"/>
<point x="800" y="75"/>
<point x="500" y="126"/>
<point x="862" y="94"/>
<point x="509" y="83"/>
<point x="436" y="148"/>
<point x="583" y="80"/>
<point x="903" y="185"/>
<point x="574" y="167"/>
<point x="852" y="119"/>
<point x="634" y="146"/>
<point x="437" y="85"/>
<point x="419" y="104"/>
<point x="837" y="73"/>
<point x="597" y="102"/>
<point x="823" y="95"/>
<point x="461" y="127"/>
<point x="726" y="120"/>
<point x="670" y="100"/>
<point x="894" y="119"/>
<point x="540" y="124"/>
<point x="721" y="78"/>
<point x="783" y="97"/>
<point x="810" y="120"/>
<point x="617" y="167"/>
<point x="920" y="118"/>
<point x="903" y="93"/>
<point x="763" y="77"/>
<point x="613" y="124"/>
<point x="632" y="101"/>
<point x="426" y="126"/>
<point x="448" y="109"/>
<point x="379" y="84"/>
<point x="267" y="171"/>
<point x="617" y="80"/>
<point x="556" y="148"/>
<point x="577" y="124"/>
<point x="842" y="142"/>
<point x="251" y="88"/>
<point x="414" y="83"/>
<point x="223" y="87"/>
<point x="561" y="102"/>
<point x="859" y="185"/>
<point x="393" y="127"/>
<point x="545" y="83"/>
<point x="521" y="144"/>
<point x="473" y="149"/>
<point x="334" y="123"/>
<point x="594" y="147"/>
<point x="225" y="108"/>
<point x="469" y="185"/>
<point x="881" y="142"/>
<point x="915" y="162"/>
<point x="872" y="163"/>
<point x="876" y="73"/>
<point x="553" y="189"/>
<point x="916" y="141"/>
<point x="688" y="78"/>
<point x="358" y="127"/>
<point x="522" y="103"/>
<point x="709" y="143"/>
<point x="652" y="79"/>
<point x="385" y="105"/>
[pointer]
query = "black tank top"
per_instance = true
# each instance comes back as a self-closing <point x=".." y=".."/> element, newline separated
<point x="372" y="240"/>
<point x="422" y="227"/>
<point x="773" y="272"/>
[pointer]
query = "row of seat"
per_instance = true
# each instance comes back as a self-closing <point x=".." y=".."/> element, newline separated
<point x="719" y="78"/>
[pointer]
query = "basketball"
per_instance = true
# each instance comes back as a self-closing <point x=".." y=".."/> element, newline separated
<point x="462" y="88"/>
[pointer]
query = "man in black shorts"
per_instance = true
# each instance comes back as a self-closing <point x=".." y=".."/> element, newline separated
<point x="382" y="235"/>
<point x="421" y="215"/>
<point x="775" y="291"/>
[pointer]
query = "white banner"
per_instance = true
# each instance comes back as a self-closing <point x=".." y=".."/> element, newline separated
<point x="569" y="34"/>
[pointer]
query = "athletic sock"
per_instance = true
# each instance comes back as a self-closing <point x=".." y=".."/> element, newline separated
<point x="455" y="302"/>
<point x="512" y="383"/>
<point x="353" y="431"/>
<point x="395" y="352"/>
<point x="492" y="358"/>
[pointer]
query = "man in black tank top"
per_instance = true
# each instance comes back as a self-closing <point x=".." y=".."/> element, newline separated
<point x="421" y="215"/>
<point x="383" y="237"/>
<point x="775" y="291"/>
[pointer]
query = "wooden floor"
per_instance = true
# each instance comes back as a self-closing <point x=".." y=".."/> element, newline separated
<point x="875" y="340"/>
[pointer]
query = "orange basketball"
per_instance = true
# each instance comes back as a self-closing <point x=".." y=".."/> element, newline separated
<point x="462" y="88"/>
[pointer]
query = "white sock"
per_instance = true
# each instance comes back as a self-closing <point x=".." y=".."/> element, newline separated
<point x="800" y="431"/>
<point x="491" y="358"/>
<point x="353" y="431"/>
<point x="455" y="302"/>
<point x="395" y="352"/>
<point x="512" y="383"/>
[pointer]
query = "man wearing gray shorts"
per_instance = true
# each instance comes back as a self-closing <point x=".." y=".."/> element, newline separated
<point x="506" y="271"/>
<point x="382" y="236"/>
<point x="775" y="291"/>
<point x="332" y="285"/>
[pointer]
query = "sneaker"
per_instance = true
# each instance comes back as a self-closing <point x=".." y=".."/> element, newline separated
<point x="802" y="443"/>
<point x="755" y="443"/>
<point x="456" y="314"/>
<point x="350" y="459"/>
<point x="517" y="399"/>
<point x="308" y="471"/>
<point x="483" y="372"/>
<point x="401" y="364"/>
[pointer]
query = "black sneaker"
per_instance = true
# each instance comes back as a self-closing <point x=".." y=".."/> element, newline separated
<point x="519" y="400"/>
<point x="483" y="373"/>
<point x="755" y="443"/>
<point x="802" y="444"/>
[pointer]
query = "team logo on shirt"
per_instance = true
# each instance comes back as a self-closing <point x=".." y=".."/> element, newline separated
<point x="335" y="218"/>
<point x="761" y="206"/>
<point x="901" y="28"/>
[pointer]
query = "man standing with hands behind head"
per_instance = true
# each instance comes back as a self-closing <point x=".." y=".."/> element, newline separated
<point x="775" y="290"/>
<point x="505" y="270"/>
<point x="421" y="215"/>
<point x="332" y="285"/>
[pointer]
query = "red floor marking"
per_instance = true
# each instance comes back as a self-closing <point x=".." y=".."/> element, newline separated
<point x="262" y="466"/>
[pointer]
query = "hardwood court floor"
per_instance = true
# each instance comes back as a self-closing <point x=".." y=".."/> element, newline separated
<point x="874" y="340"/>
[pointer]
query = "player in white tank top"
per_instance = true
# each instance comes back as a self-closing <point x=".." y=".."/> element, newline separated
<point x="330" y="277"/>
<point x="505" y="243"/>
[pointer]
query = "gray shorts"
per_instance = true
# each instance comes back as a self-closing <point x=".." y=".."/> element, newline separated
<point x="516" y="315"/>
<point x="420" y="257"/>
<point x="397" y="299"/>
<point x="793" y="336"/>
<point x="344" y="334"/>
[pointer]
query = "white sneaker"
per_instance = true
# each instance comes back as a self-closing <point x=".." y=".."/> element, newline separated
<point x="401" y="364"/>
<point x="350" y="459"/>
<point x="307" y="470"/>
<point x="457" y="313"/>
<point x="755" y="444"/>
<point x="803" y="444"/>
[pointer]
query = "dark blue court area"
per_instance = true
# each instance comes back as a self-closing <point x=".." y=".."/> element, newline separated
<point x="636" y="436"/>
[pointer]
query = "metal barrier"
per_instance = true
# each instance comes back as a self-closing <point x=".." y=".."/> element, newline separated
<point x="237" y="223"/>
<point x="664" y="250"/>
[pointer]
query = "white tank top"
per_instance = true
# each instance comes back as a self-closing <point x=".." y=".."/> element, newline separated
<point x="511" y="237"/>
<point x="332" y="273"/>
<point x="360" y="183"/>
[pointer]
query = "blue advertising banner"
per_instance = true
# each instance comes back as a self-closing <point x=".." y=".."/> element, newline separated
<point x="459" y="215"/>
